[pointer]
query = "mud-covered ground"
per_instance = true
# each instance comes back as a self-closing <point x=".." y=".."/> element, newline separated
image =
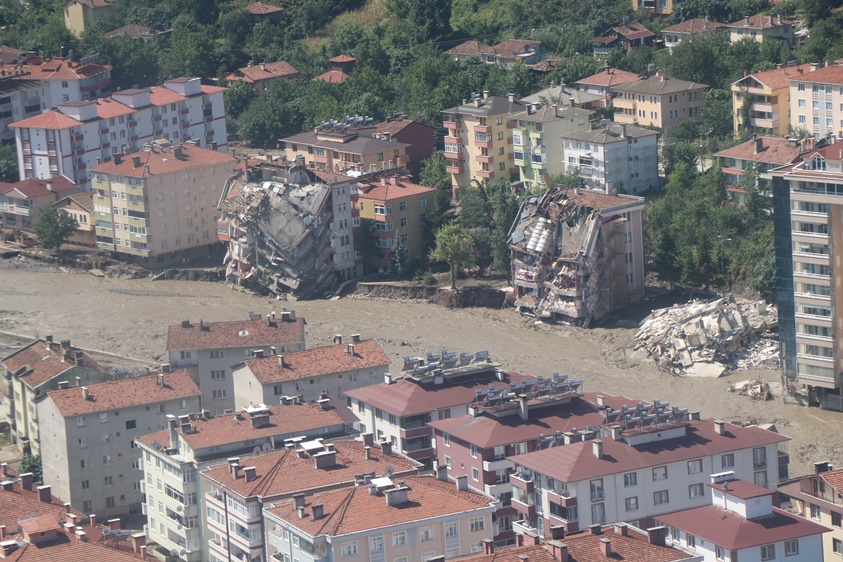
<point x="130" y="317"/>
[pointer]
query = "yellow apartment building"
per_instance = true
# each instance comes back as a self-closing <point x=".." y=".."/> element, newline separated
<point x="768" y="95"/>
<point x="158" y="206"/>
<point x="664" y="7"/>
<point x="659" y="101"/>
<point x="337" y="147"/>
<point x="79" y="14"/>
<point x="478" y="145"/>
<point x="762" y="27"/>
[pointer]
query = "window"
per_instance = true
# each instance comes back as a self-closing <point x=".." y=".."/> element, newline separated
<point x="476" y="524"/>
<point x="596" y="487"/>
<point x="768" y="552"/>
<point x="695" y="466"/>
<point x="661" y="497"/>
<point x="835" y="519"/>
<point x="719" y="553"/>
<point x="836" y="544"/>
<point x="631" y="503"/>
<point x="446" y="439"/>
<point x="630" y="480"/>
<point x="451" y="529"/>
<point x="695" y="491"/>
<point x="106" y="459"/>
<point x="759" y="458"/>
<point x="131" y="424"/>
<point x="426" y="534"/>
<point x="86" y="484"/>
<point x="83" y="442"/>
<point x="86" y="507"/>
<point x="475" y="474"/>
<point x="83" y="464"/>
<point x="598" y="513"/>
<point x="218" y="375"/>
<point x="815" y="511"/>
<point x="376" y="544"/>
<point x="473" y="449"/>
<point x="659" y="473"/>
<point x="218" y="394"/>
<point x="109" y="502"/>
<point x="791" y="547"/>
<point x="104" y="417"/>
<point x="399" y="538"/>
<point x="760" y="478"/>
<point x="80" y="422"/>
<point x="727" y="461"/>
<point x="349" y="548"/>
<point x="216" y="353"/>
<point x="108" y="480"/>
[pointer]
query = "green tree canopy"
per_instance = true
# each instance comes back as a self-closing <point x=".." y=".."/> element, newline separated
<point x="455" y="246"/>
<point x="54" y="227"/>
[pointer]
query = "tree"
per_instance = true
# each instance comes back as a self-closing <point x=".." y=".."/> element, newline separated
<point x="32" y="463"/>
<point x="8" y="163"/>
<point x="455" y="246"/>
<point x="368" y="241"/>
<point x="54" y="227"/>
<point x="398" y="257"/>
<point x="238" y="96"/>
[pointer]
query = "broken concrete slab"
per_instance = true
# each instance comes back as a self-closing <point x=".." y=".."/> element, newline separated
<point x="707" y="370"/>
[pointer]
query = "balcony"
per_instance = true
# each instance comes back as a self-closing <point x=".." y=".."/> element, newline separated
<point x="482" y="129"/>
<point x="524" y="527"/>
<point x="453" y="168"/>
<point x="498" y="464"/>
<point x="453" y="125"/>
<point x="483" y="144"/>
<point x="522" y="481"/>
<point x="415" y="432"/>
<point x="486" y="174"/>
<point x="497" y="489"/>
<point x="184" y="111"/>
<point x="485" y="158"/>
<point x="563" y="498"/>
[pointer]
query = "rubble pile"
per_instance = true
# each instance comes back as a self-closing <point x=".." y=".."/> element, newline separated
<point x="711" y="338"/>
<point x="757" y="389"/>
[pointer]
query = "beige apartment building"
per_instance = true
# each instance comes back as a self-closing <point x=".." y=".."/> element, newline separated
<point x="659" y="101"/>
<point x="768" y="96"/>
<point x="88" y="433"/>
<point x="762" y="27"/>
<point x="818" y="497"/>
<point x="808" y="204"/>
<point x="34" y="370"/>
<point x="415" y="518"/>
<point x="478" y="146"/>
<point x="816" y="101"/>
<point x="158" y="206"/>
<point x="79" y="14"/>
<point x="313" y="375"/>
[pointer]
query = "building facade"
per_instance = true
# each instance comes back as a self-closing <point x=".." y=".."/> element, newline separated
<point x="88" y="432"/>
<point x="260" y="76"/>
<point x="761" y="101"/>
<point x="762" y="27"/>
<point x="80" y="206"/>
<point x="683" y="31"/>
<point x="754" y="159"/>
<point x="210" y="349"/>
<point x="659" y="101"/>
<point x="21" y="202"/>
<point x="816" y="497"/>
<point x="79" y="14"/>
<point x="815" y="101"/>
<point x="604" y="82"/>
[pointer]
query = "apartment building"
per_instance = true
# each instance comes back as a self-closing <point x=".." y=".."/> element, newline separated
<point x="399" y="209"/>
<point x="21" y="202"/>
<point x="661" y="7"/>
<point x="563" y="96"/>
<point x="613" y="157"/>
<point x="210" y="349"/>
<point x="415" y="518"/>
<point x="80" y="206"/>
<point x="806" y="202"/>
<point x="762" y="27"/>
<point x="481" y="444"/>
<point x="20" y="97"/>
<point x="345" y="215"/>
<point x="261" y="11"/>
<point x="341" y="68"/>
<point x="65" y="80"/>
<point x="761" y="101"/>
<point x="438" y="386"/>
<point x="741" y="523"/>
<point x="624" y="37"/>
<point x="76" y="136"/>
<point x="816" y="101"/>
<point x="604" y="82"/>
<point x="644" y="468"/>
<point x="420" y="138"/>
<point x="536" y="145"/>
<point x="577" y="254"/>
<point x="757" y="156"/>
<point x="311" y="375"/>
<point x="477" y="146"/>
<point x="172" y="458"/>
<point x="817" y="497"/>
<point x="80" y="14"/>
<point x="237" y="493"/>
<point x="34" y="370"/>
<point x="88" y="435"/>
<point x="507" y="53"/>
<point x="336" y="147"/>
<point x="694" y="27"/>
<point x="179" y="224"/>
<point x="659" y="101"/>
<point x="260" y="76"/>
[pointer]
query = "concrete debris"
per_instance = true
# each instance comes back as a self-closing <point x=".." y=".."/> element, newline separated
<point x="757" y="389"/>
<point x="711" y="338"/>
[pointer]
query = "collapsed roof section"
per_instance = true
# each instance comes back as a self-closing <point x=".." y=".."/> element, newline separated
<point x="569" y="254"/>
<point x="280" y="236"/>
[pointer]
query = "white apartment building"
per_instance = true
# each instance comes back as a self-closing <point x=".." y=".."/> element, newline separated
<point x="617" y="156"/>
<point x="313" y="374"/>
<point x="238" y="491"/>
<point x="816" y="101"/>
<point x="172" y="458"/>
<point x="211" y="348"/>
<point x="345" y="219"/>
<point x="640" y="475"/>
<point x="78" y="135"/>
<point x="66" y="80"/>
<point x="416" y="518"/>
<point x="89" y="455"/>
<point x="20" y="98"/>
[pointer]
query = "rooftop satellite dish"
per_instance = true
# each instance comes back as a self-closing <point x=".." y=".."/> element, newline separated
<point x="156" y="445"/>
<point x="267" y="447"/>
<point x="37" y="336"/>
<point x="389" y="471"/>
<point x="257" y="450"/>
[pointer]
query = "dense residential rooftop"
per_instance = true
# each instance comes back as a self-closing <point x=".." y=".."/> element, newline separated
<point x="236" y="333"/>
<point x="44" y="360"/>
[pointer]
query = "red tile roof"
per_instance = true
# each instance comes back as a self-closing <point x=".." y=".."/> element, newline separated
<point x="266" y="71"/>
<point x="84" y="200"/>
<point x="487" y="431"/>
<point x="96" y="3"/>
<point x="397" y="125"/>
<point x="694" y="25"/>
<point x="66" y="548"/>
<point x="609" y="77"/>
<point x="124" y="393"/>
<point x="513" y="47"/>
<point x="333" y="76"/>
<point x="834" y="479"/>
<point x="318" y="361"/>
<point x="342" y="58"/>
<point x="759" y="21"/>
<point x="235" y="333"/>
<point x="283" y="473"/>
<point x="133" y="30"/>
<point x="223" y="430"/>
<point x="601" y="201"/>
<point x="32" y="188"/>
<point x="46" y="362"/>
<point x="731" y="531"/>
<point x="780" y="77"/>
<point x="405" y="397"/>
<point x="20" y="503"/>
<point x="262" y="9"/>
<point x="38" y="524"/>
<point x="162" y="160"/>
<point x="577" y="461"/>
<point x="212" y="89"/>
<point x="532" y="553"/>
<point x="633" y="31"/>
<point x="741" y="489"/>
<point x="354" y="509"/>
<point x="775" y="150"/>
<point x="159" y="95"/>
<point x="58" y="69"/>
<point x="390" y="189"/>
<point x="107" y="108"/>
<point x="53" y="119"/>
<point x="827" y="75"/>
<point x="660" y="85"/>
<point x="469" y="48"/>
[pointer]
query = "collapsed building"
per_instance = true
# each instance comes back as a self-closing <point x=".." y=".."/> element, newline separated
<point x="279" y="233"/>
<point x="577" y="255"/>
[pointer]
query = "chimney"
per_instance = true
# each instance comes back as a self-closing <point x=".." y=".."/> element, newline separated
<point x="8" y="485"/>
<point x="235" y="470"/>
<point x="337" y="339"/>
<point x="300" y="511"/>
<point x="7" y="548"/>
<point x="396" y="496"/>
<point x="623" y="130"/>
<point x="780" y="19"/>
<point x="746" y="20"/>
<point x="622" y="529"/>
<point x="136" y="161"/>
<point x="368" y="439"/>
<point x="317" y="510"/>
<point x="558" y="550"/>
<point x="510" y="97"/>
<point x="160" y="379"/>
<point x="442" y="472"/>
<point x="656" y="535"/>
<point x="78" y="381"/>
<point x="68" y="509"/>
<point x="45" y="494"/>
<point x="485" y="94"/>
<point x="49" y="185"/>
<point x="350" y="349"/>
<point x="86" y="393"/>
<point x="138" y="541"/>
<point x="606" y="548"/>
<point x="272" y="350"/>
<point x="488" y="546"/>
<point x="818" y="467"/>
<point x="597" y="448"/>
<point x="759" y="145"/>
<point x="26" y="481"/>
<point x="367" y="452"/>
<point x="814" y="66"/>
<point x="601" y="401"/>
<point x="477" y="102"/>
<point x="719" y="427"/>
<point x="355" y="338"/>
<point x="92" y="520"/>
<point x="118" y="159"/>
<point x="595" y="529"/>
<point x="387" y="378"/>
<point x="386" y="447"/>
<point x="263" y="66"/>
<point x="280" y="359"/>
<point x="610" y="186"/>
<point x="113" y="524"/>
<point x="4" y="469"/>
<point x="523" y="406"/>
<point x="250" y="472"/>
<point x="143" y="552"/>
<point x="462" y="482"/>
<point x="325" y="459"/>
<point x="2" y="532"/>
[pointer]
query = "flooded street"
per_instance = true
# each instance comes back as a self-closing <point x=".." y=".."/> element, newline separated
<point x="130" y="317"/>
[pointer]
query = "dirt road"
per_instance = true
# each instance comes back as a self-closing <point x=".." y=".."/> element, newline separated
<point x="130" y="317"/>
